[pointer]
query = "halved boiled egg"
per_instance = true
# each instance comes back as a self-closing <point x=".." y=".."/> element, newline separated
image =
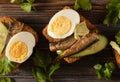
<point x="20" y="47"/>
<point x="63" y="23"/>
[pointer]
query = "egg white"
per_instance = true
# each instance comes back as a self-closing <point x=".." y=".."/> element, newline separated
<point x="73" y="16"/>
<point x="25" y="37"/>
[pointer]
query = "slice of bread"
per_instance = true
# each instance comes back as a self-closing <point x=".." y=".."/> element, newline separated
<point x="15" y="27"/>
<point x="117" y="57"/>
<point x="90" y="26"/>
<point x="71" y="59"/>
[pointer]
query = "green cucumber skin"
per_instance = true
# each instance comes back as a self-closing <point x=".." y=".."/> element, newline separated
<point x="3" y="34"/>
<point x="94" y="48"/>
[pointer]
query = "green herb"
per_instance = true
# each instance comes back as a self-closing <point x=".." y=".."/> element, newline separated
<point x="43" y="68"/>
<point x="98" y="68"/>
<point x="84" y="4"/>
<point x="113" y="15"/>
<point x="6" y="80"/>
<point x="105" y="70"/>
<point x="6" y="66"/>
<point x="109" y="68"/>
<point x="53" y="68"/>
<point x="117" y="37"/>
<point x="59" y="52"/>
<point x="26" y="5"/>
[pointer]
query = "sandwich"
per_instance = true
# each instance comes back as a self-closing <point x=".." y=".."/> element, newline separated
<point x="17" y="41"/>
<point x="69" y="33"/>
<point x="116" y="48"/>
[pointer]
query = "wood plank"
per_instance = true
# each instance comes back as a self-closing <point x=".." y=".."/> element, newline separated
<point x="45" y="10"/>
<point x="80" y="71"/>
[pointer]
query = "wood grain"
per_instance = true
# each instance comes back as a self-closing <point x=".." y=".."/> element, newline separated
<point x="80" y="71"/>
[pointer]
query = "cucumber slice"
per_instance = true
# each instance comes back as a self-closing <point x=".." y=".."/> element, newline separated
<point x="3" y="34"/>
<point x="94" y="48"/>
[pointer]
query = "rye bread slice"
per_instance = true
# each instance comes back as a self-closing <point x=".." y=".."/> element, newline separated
<point x="17" y="26"/>
<point x="117" y="57"/>
<point x="90" y="26"/>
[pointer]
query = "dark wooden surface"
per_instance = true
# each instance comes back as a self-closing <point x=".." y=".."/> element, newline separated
<point x="80" y="71"/>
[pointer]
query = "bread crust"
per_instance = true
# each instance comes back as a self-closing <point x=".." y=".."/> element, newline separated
<point x="90" y="26"/>
<point x="71" y="59"/>
<point x="117" y="57"/>
<point x="10" y="21"/>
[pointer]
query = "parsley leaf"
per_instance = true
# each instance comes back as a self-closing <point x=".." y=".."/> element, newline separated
<point x="105" y="70"/>
<point x="117" y="37"/>
<point x="84" y="4"/>
<point x="6" y="66"/>
<point x="43" y="69"/>
<point x="39" y="74"/>
<point x="43" y="59"/>
<point x="109" y="68"/>
<point x="26" y="5"/>
<point x="113" y="15"/>
<point x="6" y="80"/>
<point x="53" y="68"/>
<point x="30" y="1"/>
<point x="98" y="68"/>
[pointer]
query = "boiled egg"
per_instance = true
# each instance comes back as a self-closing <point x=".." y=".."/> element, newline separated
<point x="63" y="23"/>
<point x="20" y="47"/>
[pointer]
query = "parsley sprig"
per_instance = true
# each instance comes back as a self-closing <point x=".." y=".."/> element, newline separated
<point x="6" y="66"/>
<point x="6" y="80"/>
<point x="84" y="4"/>
<point x="43" y="69"/>
<point x="113" y="15"/>
<point x="117" y="37"/>
<point x="26" y="5"/>
<point x="105" y="70"/>
<point x="113" y="8"/>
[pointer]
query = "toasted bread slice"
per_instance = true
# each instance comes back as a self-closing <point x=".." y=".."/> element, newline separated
<point x="117" y="57"/>
<point x="71" y="59"/>
<point x="88" y="23"/>
<point x="16" y="27"/>
<point x="49" y="38"/>
<point x="90" y="26"/>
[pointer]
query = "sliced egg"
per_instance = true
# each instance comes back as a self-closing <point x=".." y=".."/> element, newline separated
<point x="63" y="23"/>
<point x="20" y="47"/>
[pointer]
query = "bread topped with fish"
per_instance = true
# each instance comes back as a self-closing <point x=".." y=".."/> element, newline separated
<point x="17" y="43"/>
<point x="69" y="33"/>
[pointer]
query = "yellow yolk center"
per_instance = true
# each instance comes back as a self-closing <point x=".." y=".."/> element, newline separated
<point x="18" y="51"/>
<point x="60" y="26"/>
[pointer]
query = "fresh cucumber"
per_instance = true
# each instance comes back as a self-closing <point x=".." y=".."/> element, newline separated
<point x="94" y="48"/>
<point x="3" y="34"/>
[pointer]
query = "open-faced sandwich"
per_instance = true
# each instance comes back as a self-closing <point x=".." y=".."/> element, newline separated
<point x="116" y="48"/>
<point x="17" y="41"/>
<point x="72" y="36"/>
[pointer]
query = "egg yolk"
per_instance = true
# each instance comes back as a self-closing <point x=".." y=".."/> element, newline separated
<point x="18" y="51"/>
<point x="60" y="26"/>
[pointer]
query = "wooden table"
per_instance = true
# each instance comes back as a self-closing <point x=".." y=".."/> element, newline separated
<point x="80" y="71"/>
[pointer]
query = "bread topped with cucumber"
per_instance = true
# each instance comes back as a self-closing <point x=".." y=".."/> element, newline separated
<point x="72" y="36"/>
<point x="17" y="41"/>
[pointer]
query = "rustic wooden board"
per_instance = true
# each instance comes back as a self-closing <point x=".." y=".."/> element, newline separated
<point x="79" y="71"/>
